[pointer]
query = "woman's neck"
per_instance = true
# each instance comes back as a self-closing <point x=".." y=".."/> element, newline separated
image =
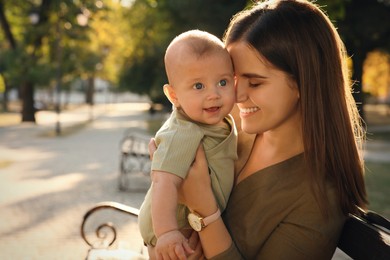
<point x="272" y="147"/>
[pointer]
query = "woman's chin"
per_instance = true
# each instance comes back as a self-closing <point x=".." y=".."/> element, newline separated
<point x="249" y="130"/>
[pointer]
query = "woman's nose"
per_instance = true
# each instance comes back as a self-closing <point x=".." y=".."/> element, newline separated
<point x="241" y="94"/>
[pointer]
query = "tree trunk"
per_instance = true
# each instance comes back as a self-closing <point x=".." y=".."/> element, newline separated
<point x="5" y="96"/>
<point x="90" y="91"/>
<point x="28" y="110"/>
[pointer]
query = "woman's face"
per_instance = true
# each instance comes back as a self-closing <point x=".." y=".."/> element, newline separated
<point x="267" y="97"/>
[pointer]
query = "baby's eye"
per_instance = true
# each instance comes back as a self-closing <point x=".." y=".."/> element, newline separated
<point x="198" y="85"/>
<point x="222" y="83"/>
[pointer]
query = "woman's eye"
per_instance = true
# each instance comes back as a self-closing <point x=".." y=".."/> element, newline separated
<point x="198" y="86"/>
<point x="222" y="83"/>
<point x="253" y="85"/>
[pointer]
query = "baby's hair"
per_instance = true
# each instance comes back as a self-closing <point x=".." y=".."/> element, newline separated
<point x="200" y="42"/>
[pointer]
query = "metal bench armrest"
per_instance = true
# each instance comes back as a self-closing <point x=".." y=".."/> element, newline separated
<point x="106" y="205"/>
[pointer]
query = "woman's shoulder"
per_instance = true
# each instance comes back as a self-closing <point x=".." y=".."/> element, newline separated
<point x="283" y="215"/>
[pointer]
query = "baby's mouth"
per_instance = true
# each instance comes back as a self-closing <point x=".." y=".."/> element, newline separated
<point x="212" y="109"/>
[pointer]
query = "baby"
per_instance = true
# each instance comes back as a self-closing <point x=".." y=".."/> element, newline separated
<point x="201" y="89"/>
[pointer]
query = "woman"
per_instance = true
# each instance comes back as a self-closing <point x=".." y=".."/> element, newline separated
<point x="303" y="173"/>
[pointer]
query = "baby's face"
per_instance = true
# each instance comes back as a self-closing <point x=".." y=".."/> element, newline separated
<point x="204" y="86"/>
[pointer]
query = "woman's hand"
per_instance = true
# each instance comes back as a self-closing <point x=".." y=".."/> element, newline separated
<point x="194" y="242"/>
<point x="152" y="148"/>
<point x="195" y="191"/>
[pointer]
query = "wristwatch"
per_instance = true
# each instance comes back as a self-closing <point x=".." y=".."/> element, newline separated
<point x="198" y="223"/>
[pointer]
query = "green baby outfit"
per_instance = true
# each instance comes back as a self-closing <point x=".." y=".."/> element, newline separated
<point x="177" y="142"/>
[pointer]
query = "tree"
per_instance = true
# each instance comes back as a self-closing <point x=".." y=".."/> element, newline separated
<point x="23" y="55"/>
<point x="52" y="39"/>
<point x="12" y="43"/>
<point x="111" y="39"/>
<point x="364" y="26"/>
<point x="376" y="76"/>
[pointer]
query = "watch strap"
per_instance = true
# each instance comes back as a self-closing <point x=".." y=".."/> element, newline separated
<point x="210" y="219"/>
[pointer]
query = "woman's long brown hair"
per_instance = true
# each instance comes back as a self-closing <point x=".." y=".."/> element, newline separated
<point x="299" y="39"/>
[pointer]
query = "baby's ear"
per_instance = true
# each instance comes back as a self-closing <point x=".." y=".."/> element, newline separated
<point x="170" y="93"/>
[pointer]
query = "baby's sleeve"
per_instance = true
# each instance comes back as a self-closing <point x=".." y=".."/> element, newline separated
<point x="176" y="149"/>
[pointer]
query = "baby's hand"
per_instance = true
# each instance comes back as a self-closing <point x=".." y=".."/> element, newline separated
<point x="172" y="245"/>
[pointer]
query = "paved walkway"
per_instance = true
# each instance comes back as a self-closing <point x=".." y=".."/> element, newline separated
<point x="47" y="183"/>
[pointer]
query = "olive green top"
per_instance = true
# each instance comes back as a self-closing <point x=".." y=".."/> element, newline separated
<point x="177" y="142"/>
<point x="273" y="214"/>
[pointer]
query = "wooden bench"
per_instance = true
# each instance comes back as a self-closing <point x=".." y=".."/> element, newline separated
<point x="365" y="236"/>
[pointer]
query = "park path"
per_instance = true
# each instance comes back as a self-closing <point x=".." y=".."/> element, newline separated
<point x="47" y="183"/>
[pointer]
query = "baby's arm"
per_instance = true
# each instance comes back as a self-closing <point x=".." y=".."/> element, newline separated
<point x="170" y="241"/>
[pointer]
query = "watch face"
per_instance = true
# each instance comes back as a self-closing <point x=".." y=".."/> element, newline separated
<point x="194" y="221"/>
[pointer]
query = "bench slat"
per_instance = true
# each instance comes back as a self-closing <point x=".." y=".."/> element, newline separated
<point x="362" y="238"/>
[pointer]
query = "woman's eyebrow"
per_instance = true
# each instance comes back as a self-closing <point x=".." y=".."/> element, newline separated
<point x="253" y="75"/>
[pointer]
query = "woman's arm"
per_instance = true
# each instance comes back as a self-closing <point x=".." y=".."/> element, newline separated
<point x="197" y="194"/>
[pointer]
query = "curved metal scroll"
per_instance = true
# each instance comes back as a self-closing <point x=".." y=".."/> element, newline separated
<point x="106" y="205"/>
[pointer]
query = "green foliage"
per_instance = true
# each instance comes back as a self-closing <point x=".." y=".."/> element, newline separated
<point x="366" y="25"/>
<point x="2" y="84"/>
<point x="335" y="9"/>
<point x="50" y="47"/>
<point x="126" y="45"/>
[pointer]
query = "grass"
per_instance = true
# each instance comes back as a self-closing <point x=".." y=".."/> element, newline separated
<point x="378" y="173"/>
<point x="378" y="136"/>
<point x="378" y="183"/>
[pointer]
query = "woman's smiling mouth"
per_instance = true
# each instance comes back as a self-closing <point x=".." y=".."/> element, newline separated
<point x="249" y="110"/>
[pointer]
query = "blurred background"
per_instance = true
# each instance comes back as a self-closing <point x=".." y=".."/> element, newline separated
<point x="60" y="59"/>
<point x="54" y="47"/>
